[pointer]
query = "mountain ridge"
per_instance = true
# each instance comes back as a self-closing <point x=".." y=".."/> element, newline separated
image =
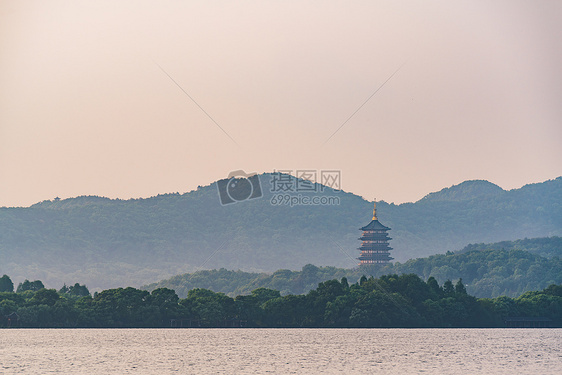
<point x="112" y="242"/>
<point x="442" y="194"/>
<point x="466" y="190"/>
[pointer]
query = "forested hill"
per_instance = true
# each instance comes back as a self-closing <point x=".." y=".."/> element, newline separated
<point x="547" y="247"/>
<point x="108" y="243"/>
<point x="491" y="271"/>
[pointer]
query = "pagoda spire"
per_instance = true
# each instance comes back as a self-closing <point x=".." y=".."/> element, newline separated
<point x="375" y="210"/>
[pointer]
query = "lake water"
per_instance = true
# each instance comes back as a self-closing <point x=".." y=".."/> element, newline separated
<point x="281" y="351"/>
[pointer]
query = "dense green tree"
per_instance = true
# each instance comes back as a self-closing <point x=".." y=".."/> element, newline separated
<point x="75" y="290"/>
<point x="165" y="301"/>
<point x="362" y="280"/>
<point x="36" y="316"/>
<point x="338" y="312"/>
<point x="448" y="288"/>
<point x="454" y="312"/>
<point x="504" y="307"/>
<point x="540" y="304"/>
<point x="434" y="288"/>
<point x="409" y="286"/>
<point x="30" y="285"/>
<point x="554" y="290"/>
<point x="380" y="309"/>
<point x="459" y="287"/>
<point x="249" y="308"/>
<point x="6" y="284"/>
<point x="121" y="307"/>
<point x="287" y="311"/>
<point x="262" y="295"/>
<point x="210" y="308"/>
<point x="46" y="297"/>
<point x="85" y="313"/>
<point x="9" y="302"/>
<point x="330" y="289"/>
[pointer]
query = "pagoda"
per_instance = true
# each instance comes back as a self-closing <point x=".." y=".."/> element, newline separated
<point x="374" y="248"/>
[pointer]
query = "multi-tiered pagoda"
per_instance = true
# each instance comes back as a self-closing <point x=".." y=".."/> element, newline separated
<point x="374" y="248"/>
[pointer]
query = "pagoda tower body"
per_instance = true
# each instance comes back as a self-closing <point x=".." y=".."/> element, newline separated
<point x="374" y="247"/>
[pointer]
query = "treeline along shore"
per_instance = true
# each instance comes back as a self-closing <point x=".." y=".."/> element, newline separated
<point x="387" y="301"/>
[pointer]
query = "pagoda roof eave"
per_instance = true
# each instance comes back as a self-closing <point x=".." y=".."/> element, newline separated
<point x="375" y="225"/>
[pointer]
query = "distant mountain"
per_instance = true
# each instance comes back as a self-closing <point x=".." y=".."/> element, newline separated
<point x="468" y="190"/>
<point x="108" y="243"/>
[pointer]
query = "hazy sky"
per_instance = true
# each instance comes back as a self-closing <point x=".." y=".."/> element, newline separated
<point x="86" y="110"/>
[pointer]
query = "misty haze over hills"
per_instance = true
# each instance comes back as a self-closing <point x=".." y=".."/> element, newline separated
<point x="107" y="243"/>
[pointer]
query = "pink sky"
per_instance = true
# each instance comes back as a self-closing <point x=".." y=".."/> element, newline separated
<point x="85" y="109"/>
